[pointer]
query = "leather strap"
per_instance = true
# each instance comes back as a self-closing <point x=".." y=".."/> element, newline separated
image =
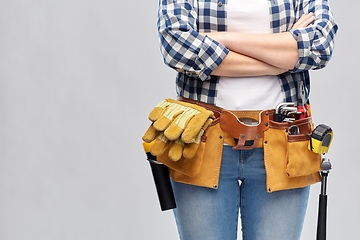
<point x="230" y="123"/>
<point x="303" y="124"/>
<point x="216" y="110"/>
<point x="248" y="136"/>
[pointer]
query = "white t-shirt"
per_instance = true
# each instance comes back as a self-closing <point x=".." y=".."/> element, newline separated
<point x="249" y="93"/>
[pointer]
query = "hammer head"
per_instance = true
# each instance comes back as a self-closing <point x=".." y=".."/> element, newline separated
<point x="325" y="165"/>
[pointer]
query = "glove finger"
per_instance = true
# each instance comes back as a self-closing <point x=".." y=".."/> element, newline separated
<point x="174" y="131"/>
<point x="176" y="150"/>
<point x="159" y="110"/>
<point x="160" y="145"/>
<point x="171" y="113"/>
<point x="180" y="123"/>
<point x="191" y="148"/>
<point x="200" y="121"/>
<point x="163" y="122"/>
<point x="207" y="123"/>
<point x="150" y="134"/>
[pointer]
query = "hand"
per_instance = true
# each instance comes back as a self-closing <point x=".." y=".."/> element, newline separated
<point x="304" y="21"/>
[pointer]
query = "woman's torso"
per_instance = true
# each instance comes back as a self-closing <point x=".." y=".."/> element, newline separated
<point x="249" y="93"/>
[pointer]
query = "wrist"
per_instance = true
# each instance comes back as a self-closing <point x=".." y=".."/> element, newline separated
<point x="219" y="37"/>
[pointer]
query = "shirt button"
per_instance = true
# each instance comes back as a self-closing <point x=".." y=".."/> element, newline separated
<point x="220" y="4"/>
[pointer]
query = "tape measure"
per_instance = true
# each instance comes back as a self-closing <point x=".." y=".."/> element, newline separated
<point x="320" y="139"/>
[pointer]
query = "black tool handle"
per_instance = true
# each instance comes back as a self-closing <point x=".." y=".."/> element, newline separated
<point x="162" y="182"/>
<point x="321" y="227"/>
<point x="278" y="117"/>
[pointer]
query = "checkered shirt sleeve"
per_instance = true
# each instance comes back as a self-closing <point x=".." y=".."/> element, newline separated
<point x="182" y="47"/>
<point x="316" y="42"/>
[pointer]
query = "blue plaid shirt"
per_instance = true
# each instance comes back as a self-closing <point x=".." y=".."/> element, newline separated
<point x="195" y="55"/>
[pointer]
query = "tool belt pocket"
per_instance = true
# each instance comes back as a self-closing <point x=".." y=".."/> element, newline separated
<point x="187" y="138"/>
<point x="288" y="162"/>
<point x="204" y="168"/>
<point x="177" y="130"/>
<point x="300" y="160"/>
<point x="189" y="167"/>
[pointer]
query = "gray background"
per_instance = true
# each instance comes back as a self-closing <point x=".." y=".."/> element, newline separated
<point x="77" y="80"/>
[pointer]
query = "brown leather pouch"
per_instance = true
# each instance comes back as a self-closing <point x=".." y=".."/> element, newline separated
<point x="300" y="160"/>
<point x="204" y="168"/>
<point x="288" y="162"/>
<point x="248" y="136"/>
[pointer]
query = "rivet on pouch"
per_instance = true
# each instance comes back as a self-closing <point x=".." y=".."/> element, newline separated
<point x="265" y="142"/>
<point x="221" y="137"/>
<point x="257" y="136"/>
<point x="242" y="136"/>
<point x="215" y="186"/>
<point x="223" y="113"/>
<point x="266" y="124"/>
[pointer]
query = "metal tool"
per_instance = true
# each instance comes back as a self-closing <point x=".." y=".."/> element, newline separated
<point x="289" y="110"/>
<point x="322" y="214"/>
<point x="303" y="106"/>
<point x="283" y="112"/>
<point x="294" y="130"/>
<point x="320" y="140"/>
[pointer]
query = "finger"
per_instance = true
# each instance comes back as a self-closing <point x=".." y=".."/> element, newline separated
<point x="158" y="111"/>
<point x="176" y="150"/>
<point x="194" y="127"/>
<point x="309" y="19"/>
<point x="190" y="150"/>
<point x="160" y="145"/>
<point x="300" y="21"/>
<point x="304" y="21"/>
<point x="174" y="131"/>
<point x="150" y="134"/>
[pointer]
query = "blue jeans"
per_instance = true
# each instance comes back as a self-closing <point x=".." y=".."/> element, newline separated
<point x="212" y="214"/>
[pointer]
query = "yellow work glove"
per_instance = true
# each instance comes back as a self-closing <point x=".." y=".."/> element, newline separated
<point x="190" y="149"/>
<point x="178" y="126"/>
<point x="177" y="148"/>
<point x="174" y="118"/>
<point x="161" y="144"/>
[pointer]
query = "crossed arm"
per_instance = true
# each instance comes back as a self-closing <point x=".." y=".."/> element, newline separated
<point x="258" y="54"/>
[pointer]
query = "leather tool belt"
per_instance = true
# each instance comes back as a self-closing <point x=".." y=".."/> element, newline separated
<point x="288" y="162"/>
<point x="249" y="136"/>
<point x="233" y="122"/>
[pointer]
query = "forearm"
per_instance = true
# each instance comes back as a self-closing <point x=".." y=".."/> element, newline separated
<point x="279" y="50"/>
<point x="183" y="48"/>
<point x="239" y="65"/>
